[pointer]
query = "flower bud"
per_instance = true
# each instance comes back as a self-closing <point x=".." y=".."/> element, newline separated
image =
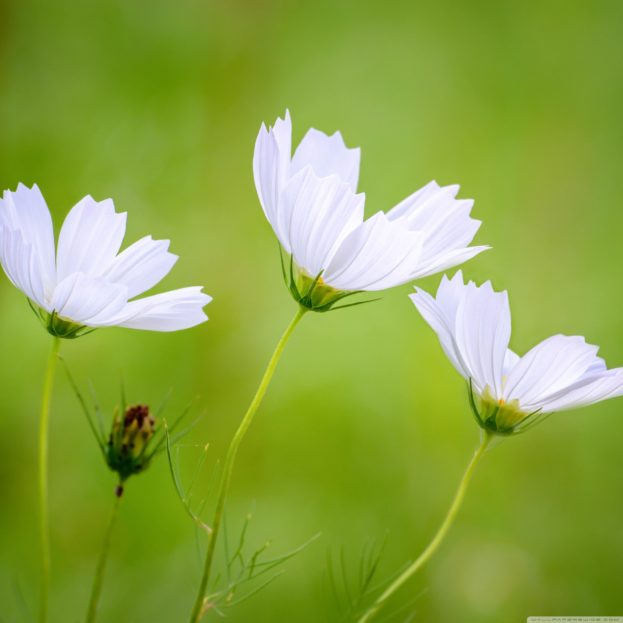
<point x="126" y="452"/>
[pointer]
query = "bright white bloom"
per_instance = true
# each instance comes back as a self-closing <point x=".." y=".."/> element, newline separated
<point x="86" y="282"/>
<point x="311" y="201"/>
<point x="474" y="327"/>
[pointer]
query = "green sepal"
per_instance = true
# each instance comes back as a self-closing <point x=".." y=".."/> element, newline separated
<point x="500" y="418"/>
<point x="64" y="328"/>
<point x="57" y="325"/>
<point x="313" y="293"/>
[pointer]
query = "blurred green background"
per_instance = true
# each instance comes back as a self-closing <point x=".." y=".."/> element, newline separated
<point x="366" y="429"/>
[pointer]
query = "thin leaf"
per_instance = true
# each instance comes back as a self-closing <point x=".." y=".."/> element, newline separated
<point x="372" y="568"/>
<point x="293" y="288"/>
<point x="255" y="556"/>
<point x="158" y="447"/>
<point x="241" y="540"/>
<point x="355" y="304"/>
<point x="198" y="468"/>
<point x="333" y="583"/>
<point x="283" y="267"/>
<point x="291" y="554"/>
<point x="390" y="616"/>
<point x="178" y="487"/>
<point x="345" y="577"/>
<point x="314" y="283"/>
<point x="255" y="590"/>
<point x="163" y="404"/>
<point x="99" y="436"/>
<point x="472" y="402"/>
<point x="37" y="311"/>
<point x="124" y="401"/>
<point x="97" y="410"/>
<point x="22" y="603"/>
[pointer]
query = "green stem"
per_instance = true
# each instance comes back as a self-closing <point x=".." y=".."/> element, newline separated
<point x="439" y="536"/>
<point x="228" y="466"/>
<point x="101" y="563"/>
<point x="44" y="529"/>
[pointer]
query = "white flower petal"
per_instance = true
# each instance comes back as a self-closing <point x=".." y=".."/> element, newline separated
<point x="327" y="155"/>
<point x="88" y="300"/>
<point x="446" y="224"/>
<point x="589" y="390"/>
<point x="440" y="314"/>
<point x="551" y="366"/>
<point x="418" y="208"/>
<point x="90" y="238"/>
<point x="169" y="311"/>
<point x="377" y="254"/>
<point x="450" y="293"/>
<point x="483" y="329"/>
<point x="21" y="265"/>
<point x="25" y="210"/>
<point x="271" y="170"/>
<point x="322" y="212"/>
<point x="453" y="228"/>
<point x="443" y="261"/>
<point x="142" y="265"/>
<point x="473" y="325"/>
<point x="511" y="359"/>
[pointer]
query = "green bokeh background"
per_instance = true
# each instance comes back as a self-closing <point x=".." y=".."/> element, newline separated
<point x="366" y="428"/>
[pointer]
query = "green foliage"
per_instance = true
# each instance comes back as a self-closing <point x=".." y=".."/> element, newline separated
<point x="135" y="436"/>
<point x="352" y="588"/>
<point x="245" y="570"/>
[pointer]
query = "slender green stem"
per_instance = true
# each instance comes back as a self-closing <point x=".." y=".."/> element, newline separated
<point x="199" y="608"/>
<point x="101" y="563"/>
<point x="439" y="536"/>
<point x="44" y="529"/>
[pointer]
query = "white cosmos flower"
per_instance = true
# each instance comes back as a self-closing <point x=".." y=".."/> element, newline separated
<point x="311" y="201"/>
<point x="474" y="328"/>
<point x="86" y="282"/>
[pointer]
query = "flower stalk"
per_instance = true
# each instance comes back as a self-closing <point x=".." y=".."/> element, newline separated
<point x="101" y="563"/>
<point x="44" y="528"/>
<point x="200" y="607"/>
<point x="432" y="547"/>
<point x="127" y="450"/>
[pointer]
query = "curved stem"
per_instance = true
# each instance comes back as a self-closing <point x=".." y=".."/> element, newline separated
<point x="44" y="529"/>
<point x="228" y="466"/>
<point x="101" y="563"/>
<point x="439" y="536"/>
